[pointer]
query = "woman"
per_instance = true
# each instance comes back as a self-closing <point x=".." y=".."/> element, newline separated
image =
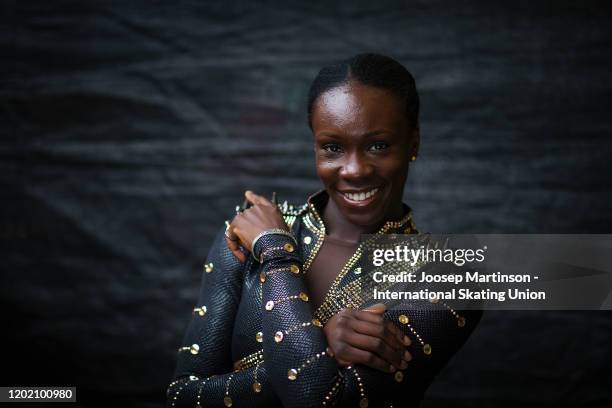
<point x="277" y="321"/>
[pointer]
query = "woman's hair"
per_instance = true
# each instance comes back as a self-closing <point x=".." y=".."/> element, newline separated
<point x="373" y="70"/>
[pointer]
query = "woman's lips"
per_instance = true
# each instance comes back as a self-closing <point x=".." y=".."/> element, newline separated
<point x="361" y="198"/>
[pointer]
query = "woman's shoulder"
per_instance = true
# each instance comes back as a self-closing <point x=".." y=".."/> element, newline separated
<point x="291" y="212"/>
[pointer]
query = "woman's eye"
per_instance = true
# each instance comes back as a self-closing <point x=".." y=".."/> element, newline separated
<point x="332" y="148"/>
<point x="379" y="146"/>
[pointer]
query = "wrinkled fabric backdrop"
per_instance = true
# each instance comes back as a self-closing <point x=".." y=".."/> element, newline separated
<point x="129" y="131"/>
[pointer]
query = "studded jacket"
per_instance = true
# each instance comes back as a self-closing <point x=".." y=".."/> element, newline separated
<point x="254" y="340"/>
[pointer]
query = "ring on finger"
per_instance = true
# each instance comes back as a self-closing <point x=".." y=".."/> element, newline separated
<point x="228" y="236"/>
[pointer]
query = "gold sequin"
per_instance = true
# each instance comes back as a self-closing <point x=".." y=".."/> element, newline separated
<point x="363" y="403"/>
<point x="259" y="337"/>
<point x="403" y="319"/>
<point x="399" y="376"/>
<point x="294" y="268"/>
<point x="307" y="240"/>
<point x="304" y="296"/>
<point x="461" y="321"/>
<point x="262" y="277"/>
<point x="278" y="336"/>
<point x="256" y="386"/>
<point x="288" y="247"/>
<point x="292" y="374"/>
<point x="194" y="349"/>
<point x="200" y="310"/>
<point x="269" y="305"/>
<point x="317" y="322"/>
<point x="427" y="349"/>
<point x="357" y="271"/>
<point x="208" y="267"/>
<point x="227" y="401"/>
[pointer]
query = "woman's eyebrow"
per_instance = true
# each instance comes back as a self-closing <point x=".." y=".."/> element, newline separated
<point x="328" y="134"/>
<point x="377" y="133"/>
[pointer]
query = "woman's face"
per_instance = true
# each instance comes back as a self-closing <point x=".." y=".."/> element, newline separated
<point x="363" y="145"/>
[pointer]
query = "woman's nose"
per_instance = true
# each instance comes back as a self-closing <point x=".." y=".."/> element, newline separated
<point x="356" y="167"/>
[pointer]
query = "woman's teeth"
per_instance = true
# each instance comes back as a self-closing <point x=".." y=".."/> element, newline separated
<point x="360" y="196"/>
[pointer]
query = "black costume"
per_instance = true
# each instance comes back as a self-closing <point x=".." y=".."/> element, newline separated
<point x="257" y="315"/>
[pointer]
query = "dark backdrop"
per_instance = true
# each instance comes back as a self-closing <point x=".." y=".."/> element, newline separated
<point x="130" y="130"/>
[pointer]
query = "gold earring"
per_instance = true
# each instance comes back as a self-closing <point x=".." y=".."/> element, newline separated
<point x="413" y="158"/>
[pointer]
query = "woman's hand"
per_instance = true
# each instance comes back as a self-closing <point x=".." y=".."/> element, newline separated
<point x="365" y="337"/>
<point x="251" y="222"/>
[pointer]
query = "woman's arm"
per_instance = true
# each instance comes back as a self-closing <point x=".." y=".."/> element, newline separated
<point x="205" y="349"/>
<point x="299" y="363"/>
<point x="245" y="388"/>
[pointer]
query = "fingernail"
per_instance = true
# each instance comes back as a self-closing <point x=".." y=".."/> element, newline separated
<point x="392" y="368"/>
<point x="407" y="356"/>
<point x="407" y="340"/>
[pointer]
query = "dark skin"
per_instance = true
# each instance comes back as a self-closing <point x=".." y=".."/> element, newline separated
<point x="363" y="144"/>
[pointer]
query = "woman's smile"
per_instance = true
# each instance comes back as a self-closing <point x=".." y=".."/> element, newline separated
<point x="360" y="198"/>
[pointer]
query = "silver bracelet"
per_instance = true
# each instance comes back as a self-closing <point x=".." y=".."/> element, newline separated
<point x="269" y="232"/>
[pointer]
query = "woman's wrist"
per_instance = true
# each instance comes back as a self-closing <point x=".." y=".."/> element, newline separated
<point x="257" y="245"/>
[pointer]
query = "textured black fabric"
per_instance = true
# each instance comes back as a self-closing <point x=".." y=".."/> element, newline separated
<point x="303" y="348"/>
<point x="130" y="129"/>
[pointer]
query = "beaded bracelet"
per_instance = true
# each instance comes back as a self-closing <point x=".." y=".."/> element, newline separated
<point x="268" y="232"/>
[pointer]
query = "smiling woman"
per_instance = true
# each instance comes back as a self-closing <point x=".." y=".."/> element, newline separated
<point x="280" y="320"/>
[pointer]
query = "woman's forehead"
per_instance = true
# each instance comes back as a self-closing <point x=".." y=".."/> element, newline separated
<point x="358" y="106"/>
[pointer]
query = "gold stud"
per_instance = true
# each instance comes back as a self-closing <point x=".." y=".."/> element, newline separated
<point x="292" y="374"/>
<point x="461" y="321"/>
<point x="278" y="336"/>
<point x="194" y="349"/>
<point x="403" y="319"/>
<point x="307" y="240"/>
<point x="427" y="349"/>
<point x="259" y="337"/>
<point x="262" y="276"/>
<point x="227" y="401"/>
<point x="413" y="158"/>
<point x="294" y="268"/>
<point x="316" y="322"/>
<point x="304" y="296"/>
<point x="269" y="305"/>
<point x="399" y="376"/>
<point x="193" y="378"/>
<point x="208" y="267"/>
<point x="288" y="247"/>
<point x="363" y="403"/>
<point x="357" y="271"/>
<point x="256" y="386"/>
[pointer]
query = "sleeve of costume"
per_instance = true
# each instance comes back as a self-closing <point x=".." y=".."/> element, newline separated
<point x="204" y="366"/>
<point x="299" y="365"/>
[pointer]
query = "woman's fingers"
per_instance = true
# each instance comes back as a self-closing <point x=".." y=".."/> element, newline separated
<point x="256" y="199"/>
<point x="358" y="356"/>
<point x="391" y="332"/>
<point x="378" y="347"/>
<point x="233" y="243"/>
<point x="375" y="338"/>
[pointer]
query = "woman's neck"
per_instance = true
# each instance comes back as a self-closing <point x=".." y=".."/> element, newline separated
<point x="337" y="226"/>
